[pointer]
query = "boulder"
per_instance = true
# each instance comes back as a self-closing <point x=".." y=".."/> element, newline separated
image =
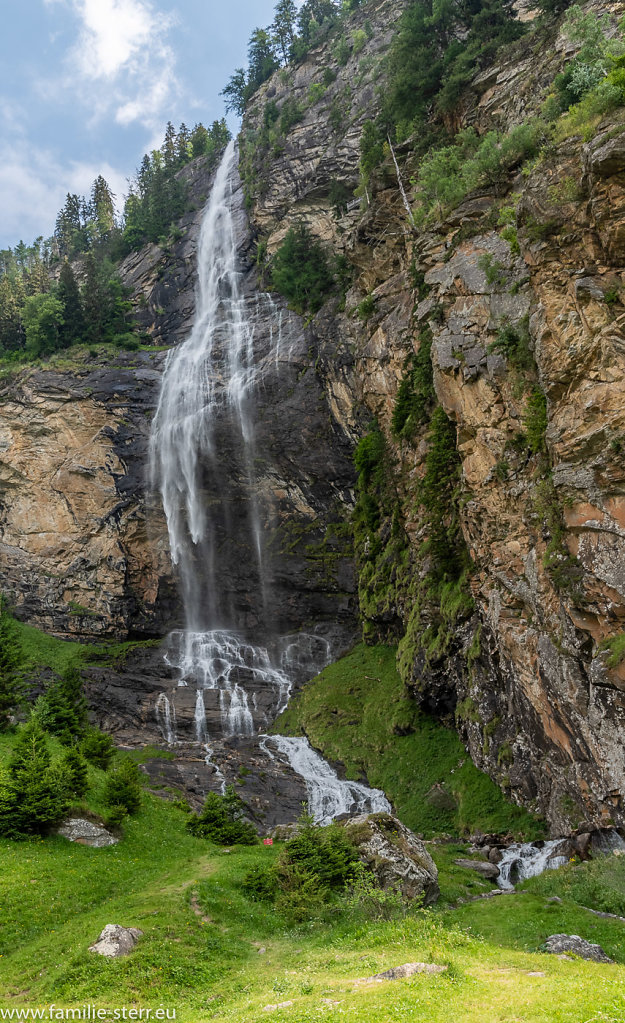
<point x="116" y="941"/>
<point x="487" y="870"/>
<point x="85" y="832"/>
<point x="396" y="856"/>
<point x="563" y="944"/>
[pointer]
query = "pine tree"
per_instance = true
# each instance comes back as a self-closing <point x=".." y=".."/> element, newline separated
<point x="10" y="661"/>
<point x="63" y="707"/>
<point x="97" y="748"/>
<point x="169" y="147"/>
<point x="68" y="224"/>
<point x="36" y="796"/>
<point x="123" y="787"/>
<point x="182" y="145"/>
<point x="283" y="27"/>
<point x="262" y="60"/>
<point x="102" y="209"/>
<point x="75" y="768"/>
<point x="73" y="327"/>
<point x="11" y="328"/>
<point x="199" y="140"/>
<point x="93" y="301"/>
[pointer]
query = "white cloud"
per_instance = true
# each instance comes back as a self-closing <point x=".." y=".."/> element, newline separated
<point x="121" y="62"/>
<point x="33" y="186"/>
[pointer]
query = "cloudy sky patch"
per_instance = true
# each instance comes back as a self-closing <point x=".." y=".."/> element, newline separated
<point x="89" y="85"/>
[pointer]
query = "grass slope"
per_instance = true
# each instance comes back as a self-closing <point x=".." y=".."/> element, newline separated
<point x="40" y="650"/>
<point x="357" y="711"/>
<point x="200" y="950"/>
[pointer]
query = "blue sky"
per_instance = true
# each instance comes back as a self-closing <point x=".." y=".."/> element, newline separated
<point x="88" y="86"/>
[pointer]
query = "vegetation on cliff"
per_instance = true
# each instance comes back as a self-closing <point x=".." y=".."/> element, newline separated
<point x="358" y="712"/>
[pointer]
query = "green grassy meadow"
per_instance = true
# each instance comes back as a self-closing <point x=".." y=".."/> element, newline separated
<point x="210" y="953"/>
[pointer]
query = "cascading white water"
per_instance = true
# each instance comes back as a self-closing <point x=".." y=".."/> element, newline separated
<point x="166" y="717"/>
<point x="328" y="795"/>
<point x="210" y="501"/>
<point x="523" y="859"/>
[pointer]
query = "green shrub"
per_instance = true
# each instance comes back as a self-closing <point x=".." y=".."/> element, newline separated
<point x="221" y="820"/>
<point x="447" y="174"/>
<point x="371" y="149"/>
<point x="416" y="391"/>
<point x="290" y="114"/>
<point x="366" y="308"/>
<point x="368" y="457"/>
<point x="536" y="421"/>
<point x="123" y="787"/>
<point x="513" y="341"/>
<point x="359" y="39"/>
<point x="314" y="866"/>
<point x="97" y="748"/>
<point x="316" y="92"/>
<point x="300" y="270"/>
<point x="260" y="884"/>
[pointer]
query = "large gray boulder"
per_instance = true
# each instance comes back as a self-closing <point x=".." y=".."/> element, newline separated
<point x="116" y="941"/>
<point x="85" y="832"/>
<point x="396" y="856"/>
<point x="563" y="944"/>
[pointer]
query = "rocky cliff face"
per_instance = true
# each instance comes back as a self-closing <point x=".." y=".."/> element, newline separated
<point x="521" y="663"/>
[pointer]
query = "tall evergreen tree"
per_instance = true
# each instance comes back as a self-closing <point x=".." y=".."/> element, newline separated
<point x="11" y="327"/>
<point x="262" y="60"/>
<point x="169" y="147"/>
<point x="93" y="302"/>
<point x="283" y="28"/>
<point x="68" y="293"/>
<point x="102" y="208"/>
<point x="36" y="796"/>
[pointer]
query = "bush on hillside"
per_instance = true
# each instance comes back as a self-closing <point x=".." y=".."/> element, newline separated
<point x="97" y="748"/>
<point x="222" y="820"/>
<point x="123" y="787"/>
<point x="313" y="866"/>
<point x="300" y="270"/>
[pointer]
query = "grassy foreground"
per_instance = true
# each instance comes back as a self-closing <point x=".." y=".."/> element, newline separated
<point x="358" y="712"/>
<point x="201" y="951"/>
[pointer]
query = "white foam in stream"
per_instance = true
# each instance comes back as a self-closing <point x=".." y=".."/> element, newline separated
<point x="328" y="795"/>
<point x="522" y="860"/>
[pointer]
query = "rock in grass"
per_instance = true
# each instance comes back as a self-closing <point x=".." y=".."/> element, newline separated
<point x="86" y="833"/>
<point x="488" y="870"/>
<point x="559" y="944"/>
<point x="406" y="970"/>
<point x="115" y="941"/>
<point x="396" y="856"/>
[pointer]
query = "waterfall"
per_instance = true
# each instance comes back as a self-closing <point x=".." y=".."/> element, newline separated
<point x="328" y="795"/>
<point x="202" y="462"/>
<point x="524" y="859"/>
<point x="166" y="717"/>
